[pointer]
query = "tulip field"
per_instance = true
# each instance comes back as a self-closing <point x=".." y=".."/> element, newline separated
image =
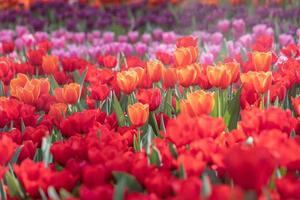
<point x="149" y="99"/>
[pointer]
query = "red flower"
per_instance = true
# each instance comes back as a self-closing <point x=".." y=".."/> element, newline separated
<point x="2" y="171"/>
<point x="152" y="97"/>
<point x="63" y="179"/>
<point x="165" y="58"/>
<point x="189" y="188"/>
<point x="226" y="192"/>
<point x="35" y="57"/>
<point x="109" y="61"/>
<point x="33" y="176"/>
<point x="104" y="192"/>
<point x="89" y="172"/>
<point x="250" y="168"/>
<point x="296" y="104"/>
<point x="187" y="41"/>
<point x="8" y="47"/>
<point x="184" y="129"/>
<point x="36" y="134"/>
<point x="288" y="187"/>
<point x="99" y="92"/>
<point x="28" y="150"/>
<point x="7" y="149"/>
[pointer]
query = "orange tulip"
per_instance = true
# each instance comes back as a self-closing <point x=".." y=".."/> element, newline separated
<point x="198" y="103"/>
<point x="127" y="80"/>
<point x="186" y="55"/>
<point x="169" y="77"/>
<point x="27" y="90"/>
<point x="138" y="113"/>
<point x="262" y="60"/>
<point x="223" y="75"/>
<point x="50" y="64"/>
<point x="155" y="70"/>
<point x="187" y="75"/>
<point x="261" y="81"/>
<point x="58" y="111"/>
<point x="68" y="94"/>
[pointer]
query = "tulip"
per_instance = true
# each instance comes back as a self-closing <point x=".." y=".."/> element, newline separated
<point x="152" y="97"/>
<point x="198" y="103"/>
<point x="262" y="60"/>
<point x="155" y="70"/>
<point x="169" y="77"/>
<point x="186" y="55"/>
<point x="138" y="113"/>
<point x="187" y="41"/>
<point x="58" y="111"/>
<point x="223" y="75"/>
<point x="50" y="64"/>
<point x="68" y="94"/>
<point x="127" y="81"/>
<point x="27" y="90"/>
<point x="109" y="61"/>
<point x="261" y="81"/>
<point x="187" y="75"/>
<point x="296" y="104"/>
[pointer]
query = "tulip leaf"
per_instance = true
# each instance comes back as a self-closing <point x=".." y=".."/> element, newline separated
<point x="206" y="186"/>
<point x="182" y="173"/>
<point x="215" y="110"/>
<point x="168" y="103"/>
<point x="46" y="144"/>
<point x="65" y="194"/>
<point x="125" y="181"/>
<point x="147" y="139"/>
<point x="42" y="194"/>
<point x="155" y="157"/>
<point x="153" y="123"/>
<point x="53" y="83"/>
<point x="118" y="110"/>
<point x="23" y="127"/>
<point x="173" y="150"/>
<point x="2" y="191"/>
<point x="232" y="112"/>
<point x="52" y="193"/>
<point x="137" y="142"/>
<point x="15" y="157"/>
<point x="2" y="93"/>
<point x="14" y="186"/>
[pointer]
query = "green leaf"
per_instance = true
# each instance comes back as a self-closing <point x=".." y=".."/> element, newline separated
<point x="232" y="113"/>
<point x="23" y="127"/>
<point x="206" y="186"/>
<point x="125" y="180"/>
<point x="168" y="102"/>
<point x="2" y="93"/>
<point x="15" y="157"/>
<point x="2" y="191"/>
<point x="65" y="194"/>
<point x="173" y="150"/>
<point x="52" y="193"/>
<point x="155" y="157"/>
<point x="53" y="84"/>
<point x="153" y="123"/>
<point x="119" y="190"/>
<point x="137" y="142"/>
<point x="46" y="145"/>
<point x="147" y="139"/>
<point x="182" y="173"/>
<point x="43" y="195"/>
<point x="13" y="184"/>
<point x="215" y="111"/>
<point x="118" y="110"/>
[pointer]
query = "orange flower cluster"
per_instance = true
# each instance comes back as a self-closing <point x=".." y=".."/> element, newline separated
<point x="28" y="90"/>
